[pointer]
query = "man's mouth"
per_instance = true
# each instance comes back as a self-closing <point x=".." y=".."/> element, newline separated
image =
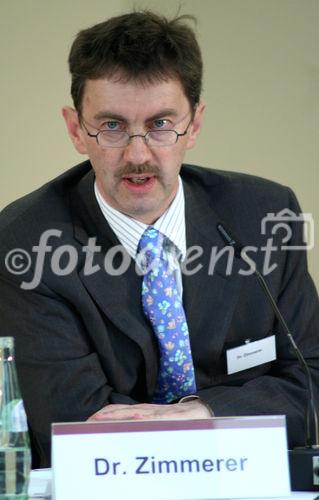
<point x="141" y="183"/>
<point x="139" y="179"/>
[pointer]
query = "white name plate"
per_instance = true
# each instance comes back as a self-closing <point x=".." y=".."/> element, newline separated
<point x="234" y="457"/>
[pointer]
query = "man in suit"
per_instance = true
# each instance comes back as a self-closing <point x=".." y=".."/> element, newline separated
<point x="85" y="347"/>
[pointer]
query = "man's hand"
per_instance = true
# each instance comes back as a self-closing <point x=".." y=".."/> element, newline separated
<point x="189" y="409"/>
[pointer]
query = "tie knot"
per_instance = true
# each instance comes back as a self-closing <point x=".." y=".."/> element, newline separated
<point x="151" y="244"/>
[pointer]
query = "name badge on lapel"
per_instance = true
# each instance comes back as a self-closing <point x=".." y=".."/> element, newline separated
<point x="251" y="354"/>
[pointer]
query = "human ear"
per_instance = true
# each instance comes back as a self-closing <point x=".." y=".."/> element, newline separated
<point x="74" y="129"/>
<point x="196" y="125"/>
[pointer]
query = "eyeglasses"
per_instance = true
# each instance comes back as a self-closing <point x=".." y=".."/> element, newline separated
<point x="121" y="138"/>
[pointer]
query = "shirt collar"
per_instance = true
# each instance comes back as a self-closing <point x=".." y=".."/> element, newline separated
<point x="129" y="230"/>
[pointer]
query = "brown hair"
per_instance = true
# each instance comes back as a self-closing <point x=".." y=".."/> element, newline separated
<point x="142" y="46"/>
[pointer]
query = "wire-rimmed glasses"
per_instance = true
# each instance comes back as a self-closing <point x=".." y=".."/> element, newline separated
<point x="121" y="138"/>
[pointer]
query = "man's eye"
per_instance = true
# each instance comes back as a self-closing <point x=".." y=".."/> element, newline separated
<point x="161" y="123"/>
<point x="112" y="125"/>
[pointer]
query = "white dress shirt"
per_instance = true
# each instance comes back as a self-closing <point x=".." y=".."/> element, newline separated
<point x="171" y="224"/>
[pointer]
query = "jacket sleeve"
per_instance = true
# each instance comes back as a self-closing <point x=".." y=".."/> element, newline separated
<point x="60" y="373"/>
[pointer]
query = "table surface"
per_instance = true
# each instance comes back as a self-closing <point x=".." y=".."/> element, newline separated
<point x="40" y="488"/>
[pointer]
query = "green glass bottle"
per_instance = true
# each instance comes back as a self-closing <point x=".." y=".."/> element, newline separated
<point x="15" y="455"/>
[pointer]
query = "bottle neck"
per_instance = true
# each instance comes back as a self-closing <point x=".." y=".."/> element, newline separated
<point x="13" y="424"/>
<point x="6" y="349"/>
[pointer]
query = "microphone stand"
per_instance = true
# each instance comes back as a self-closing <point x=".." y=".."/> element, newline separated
<point x="303" y="461"/>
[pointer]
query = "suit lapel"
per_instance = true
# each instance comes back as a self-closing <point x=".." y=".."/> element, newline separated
<point x="117" y="295"/>
<point x="209" y="297"/>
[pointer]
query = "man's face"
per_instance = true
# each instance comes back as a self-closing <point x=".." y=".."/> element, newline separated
<point x="138" y="180"/>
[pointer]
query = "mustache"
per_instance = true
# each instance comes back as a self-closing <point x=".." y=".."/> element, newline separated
<point x="138" y="170"/>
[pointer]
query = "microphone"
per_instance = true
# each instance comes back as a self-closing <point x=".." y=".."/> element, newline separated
<point x="303" y="461"/>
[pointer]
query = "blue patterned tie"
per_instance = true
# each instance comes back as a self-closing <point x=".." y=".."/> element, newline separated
<point x="163" y="307"/>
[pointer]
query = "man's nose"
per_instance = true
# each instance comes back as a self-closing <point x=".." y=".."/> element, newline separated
<point x="137" y="151"/>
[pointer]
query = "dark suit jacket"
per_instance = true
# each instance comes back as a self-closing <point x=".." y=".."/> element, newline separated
<point x="82" y="339"/>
